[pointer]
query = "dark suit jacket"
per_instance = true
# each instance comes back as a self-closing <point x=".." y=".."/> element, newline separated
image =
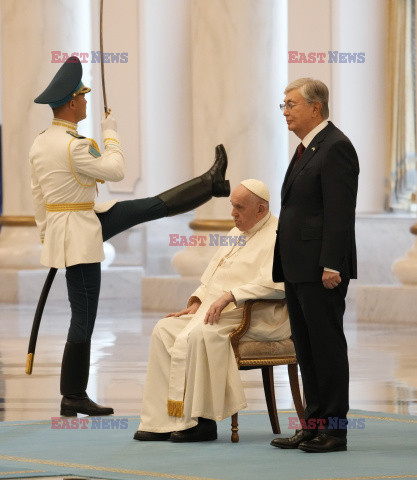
<point x="316" y="226"/>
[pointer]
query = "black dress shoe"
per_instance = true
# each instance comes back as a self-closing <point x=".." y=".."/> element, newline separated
<point x="295" y="440"/>
<point x="73" y="404"/>
<point x="324" y="443"/>
<point x="205" y="431"/>
<point x="151" y="436"/>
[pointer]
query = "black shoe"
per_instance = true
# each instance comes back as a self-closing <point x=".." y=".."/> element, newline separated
<point x="151" y="436"/>
<point x="324" y="443"/>
<point x="205" y="431"/>
<point x="194" y="193"/>
<point x="221" y="187"/>
<point x="73" y="404"/>
<point x="295" y="440"/>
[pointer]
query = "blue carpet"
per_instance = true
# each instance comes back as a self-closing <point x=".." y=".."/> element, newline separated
<point x="385" y="449"/>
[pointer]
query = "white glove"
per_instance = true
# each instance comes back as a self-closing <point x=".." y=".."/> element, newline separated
<point x="108" y="123"/>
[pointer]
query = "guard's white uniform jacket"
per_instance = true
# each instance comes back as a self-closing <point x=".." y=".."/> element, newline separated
<point x="64" y="169"/>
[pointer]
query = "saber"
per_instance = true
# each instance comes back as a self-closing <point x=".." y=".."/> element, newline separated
<point x="103" y="83"/>
<point x="37" y="320"/>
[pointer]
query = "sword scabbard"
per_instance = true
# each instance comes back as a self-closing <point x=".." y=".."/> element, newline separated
<point x="29" y="364"/>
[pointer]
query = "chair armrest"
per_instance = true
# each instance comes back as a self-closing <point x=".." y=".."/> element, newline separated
<point x="240" y="331"/>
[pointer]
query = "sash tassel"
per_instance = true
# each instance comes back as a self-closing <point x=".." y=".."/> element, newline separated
<point x="175" y="408"/>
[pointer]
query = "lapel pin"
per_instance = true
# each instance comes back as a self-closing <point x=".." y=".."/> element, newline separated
<point x="314" y="148"/>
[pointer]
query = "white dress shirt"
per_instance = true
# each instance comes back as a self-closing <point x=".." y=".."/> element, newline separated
<point x="306" y="142"/>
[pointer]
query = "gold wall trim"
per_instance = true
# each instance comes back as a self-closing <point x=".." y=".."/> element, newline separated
<point x="17" y="221"/>
<point x="215" y="225"/>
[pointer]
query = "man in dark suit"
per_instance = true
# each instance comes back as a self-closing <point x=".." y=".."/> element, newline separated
<point x="315" y="255"/>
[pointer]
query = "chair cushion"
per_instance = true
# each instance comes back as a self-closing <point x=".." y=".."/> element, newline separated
<point x="283" y="348"/>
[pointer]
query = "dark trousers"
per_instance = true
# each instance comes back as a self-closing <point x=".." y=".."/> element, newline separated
<point x="316" y="318"/>
<point x="83" y="280"/>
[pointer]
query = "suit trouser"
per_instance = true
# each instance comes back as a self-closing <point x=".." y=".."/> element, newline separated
<point x="316" y="318"/>
<point x="83" y="280"/>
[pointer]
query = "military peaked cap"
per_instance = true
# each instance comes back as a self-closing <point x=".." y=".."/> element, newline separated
<point x="65" y="85"/>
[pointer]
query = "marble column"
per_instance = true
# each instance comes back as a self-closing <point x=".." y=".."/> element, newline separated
<point x="351" y="95"/>
<point x="239" y="72"/>
<point x="30" y="31"/>
<point x="166" y="130"/>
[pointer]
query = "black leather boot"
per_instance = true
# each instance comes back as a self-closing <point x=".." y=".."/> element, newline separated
<point x="74" y="378"/>
<point x="199" y="190"/>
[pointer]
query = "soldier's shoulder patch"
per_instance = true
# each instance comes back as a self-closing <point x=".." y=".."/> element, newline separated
<point x="92" y="151"/>
<point x="75" y="134"/>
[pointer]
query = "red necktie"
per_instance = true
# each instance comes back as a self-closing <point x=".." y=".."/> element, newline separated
<point x="300" y="151"/>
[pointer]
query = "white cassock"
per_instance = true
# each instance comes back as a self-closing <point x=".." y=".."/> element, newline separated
<point x="192" y="371"/>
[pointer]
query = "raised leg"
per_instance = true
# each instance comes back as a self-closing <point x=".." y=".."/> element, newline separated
<point x="182" y="198"/>
<point x="295" y="389"/>
<point x="268" y="380"/>
<point x="235" y="429"/>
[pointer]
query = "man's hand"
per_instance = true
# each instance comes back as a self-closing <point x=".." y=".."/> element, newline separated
<point x="108" y="123"/>
<point x="331" y="279"/>
<point x="216" y="308"/>
<point x="187" y="311"/>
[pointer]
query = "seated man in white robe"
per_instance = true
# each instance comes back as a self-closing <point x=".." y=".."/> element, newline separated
<point x="192" y="379"/>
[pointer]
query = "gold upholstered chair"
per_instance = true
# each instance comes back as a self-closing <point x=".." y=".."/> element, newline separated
<point x="265" y="355"/>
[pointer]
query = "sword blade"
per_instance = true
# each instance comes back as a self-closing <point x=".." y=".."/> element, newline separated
<point x="103" y="83"/>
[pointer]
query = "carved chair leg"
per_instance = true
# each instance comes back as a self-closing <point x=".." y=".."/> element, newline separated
<point x="295" y="389"/>
<point x="235" y="429"/>
<point x="268" y="379"/>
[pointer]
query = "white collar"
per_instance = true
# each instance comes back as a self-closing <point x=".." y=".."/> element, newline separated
<point x="259" y="224"/>
<point x="310" y="135"/>
<point x="59" y="122"/>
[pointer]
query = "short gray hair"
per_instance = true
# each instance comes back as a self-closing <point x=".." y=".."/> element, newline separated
<point x="312" y="91"/>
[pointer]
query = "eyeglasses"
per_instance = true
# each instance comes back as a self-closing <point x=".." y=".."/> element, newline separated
<point x="290" y="106"/>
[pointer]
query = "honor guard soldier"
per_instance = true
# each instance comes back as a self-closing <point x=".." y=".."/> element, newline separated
<point x="65" y="170"/>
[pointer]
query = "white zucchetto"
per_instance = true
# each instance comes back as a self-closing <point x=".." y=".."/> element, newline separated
<point x="257" y="187"/>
